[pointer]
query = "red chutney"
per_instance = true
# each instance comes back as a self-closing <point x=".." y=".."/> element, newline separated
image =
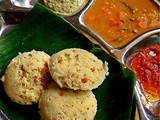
<point x="146" y="64"/>
<point x="118" y="22"/>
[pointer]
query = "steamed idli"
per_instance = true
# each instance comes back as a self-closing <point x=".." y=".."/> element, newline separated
<point x="77" y="69"/>
<point x="26" y="76"/>
<point x="65" y="104"/>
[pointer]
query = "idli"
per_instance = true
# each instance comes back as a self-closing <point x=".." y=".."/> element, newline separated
<point x="26" y="77"/>
<point x="77" y="69"/>
<point x="66" y="104"/>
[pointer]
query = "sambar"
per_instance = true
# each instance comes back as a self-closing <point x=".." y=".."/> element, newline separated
<point x="118" y="22"/>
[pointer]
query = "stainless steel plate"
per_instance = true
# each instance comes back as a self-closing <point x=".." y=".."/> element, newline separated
<point x="76" y="19"/>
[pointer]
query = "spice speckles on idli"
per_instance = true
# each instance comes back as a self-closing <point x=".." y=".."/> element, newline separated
<point x="26" y="77"/>
<point x="66" y="104"/>
<point x="77" y="69"/>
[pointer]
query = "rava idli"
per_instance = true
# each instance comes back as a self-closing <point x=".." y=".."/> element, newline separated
<point x="26" y="76"/>
<point x="77" y="69"/>
<point x="66" y="104"/>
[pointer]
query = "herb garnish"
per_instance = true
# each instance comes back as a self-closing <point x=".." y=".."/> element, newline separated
<point x="129" y="8"/>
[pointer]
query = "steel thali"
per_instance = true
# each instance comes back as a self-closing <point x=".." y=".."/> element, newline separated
<point x="21" y="8"/>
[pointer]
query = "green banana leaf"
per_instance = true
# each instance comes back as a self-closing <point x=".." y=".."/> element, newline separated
<point x="43" y="30"/>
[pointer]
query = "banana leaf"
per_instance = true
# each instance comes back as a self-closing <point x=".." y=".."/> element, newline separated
<point x="45" y="31"/>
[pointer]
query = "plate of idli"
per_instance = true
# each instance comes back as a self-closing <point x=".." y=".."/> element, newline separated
<point x="50" y="71"/>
